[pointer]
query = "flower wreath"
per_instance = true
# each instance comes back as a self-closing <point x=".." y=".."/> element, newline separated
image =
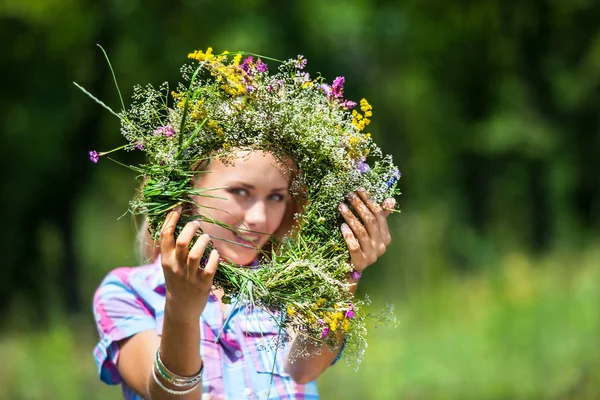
<point x="226" y="103"/>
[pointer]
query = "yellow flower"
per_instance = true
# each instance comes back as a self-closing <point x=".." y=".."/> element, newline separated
<point x="345" y="324"/>
<point x="237" y="59"/>
<point x="200" y="55"/>
<point x="290" y="310"/>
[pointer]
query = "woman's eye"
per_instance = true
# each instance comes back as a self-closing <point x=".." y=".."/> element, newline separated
<point x="276" y="197"/>
<point x="238" y="191"/>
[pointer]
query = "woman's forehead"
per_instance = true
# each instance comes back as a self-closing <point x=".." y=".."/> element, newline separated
<point x="252" y="167"/>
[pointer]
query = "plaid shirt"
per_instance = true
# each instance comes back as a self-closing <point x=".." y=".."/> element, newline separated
<point x="243" y="363"/>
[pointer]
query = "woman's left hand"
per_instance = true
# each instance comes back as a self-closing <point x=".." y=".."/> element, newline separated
<point x="367" y="238"/>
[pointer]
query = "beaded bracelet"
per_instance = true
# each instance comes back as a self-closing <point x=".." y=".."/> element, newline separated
<point x="171" y="391"/>
<point x="173" y="378"/>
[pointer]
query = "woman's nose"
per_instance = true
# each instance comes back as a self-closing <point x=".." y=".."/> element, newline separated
<point x="256" y="215"/>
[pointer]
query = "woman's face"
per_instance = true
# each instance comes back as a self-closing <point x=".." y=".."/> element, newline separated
<point x="253" y="193"/>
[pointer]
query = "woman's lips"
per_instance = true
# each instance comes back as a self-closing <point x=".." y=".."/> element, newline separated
<point x="247" y="240"/>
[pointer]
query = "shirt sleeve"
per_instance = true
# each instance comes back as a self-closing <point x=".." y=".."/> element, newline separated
<point x="120" y="313"/>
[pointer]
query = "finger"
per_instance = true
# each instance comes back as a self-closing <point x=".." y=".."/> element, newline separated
<point x="378" y="212"/>
<point x="354" y="224"/>
<point x="375" y="208"/>
<point x="367" y="218"/>
<point x="167" y="233"/>
<point x="388" y="205"/>
<point x="182" y="244"/>
<point x="356" y="254"/>
<point x="211" y="264"/>
<point x="196" y="253"/>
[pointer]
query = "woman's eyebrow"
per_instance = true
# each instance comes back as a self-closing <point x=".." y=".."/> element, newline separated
<point x="252" y="187"/>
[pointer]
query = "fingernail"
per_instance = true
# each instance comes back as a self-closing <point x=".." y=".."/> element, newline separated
<point x="362" y="190"/>
<point x="345" y="228"/>
<point x="343" y="207"/>
<point x="351" y="196"/>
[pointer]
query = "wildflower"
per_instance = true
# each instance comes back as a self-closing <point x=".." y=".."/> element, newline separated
<point x="300" y="62"/>
<point x="201" y="56"/>
<point x="326" y="89"/>
<point x="355" y="274"/>
<point x="395" y="176"/>
<point x="337" y="89"/>
<point x="247" y="65"/>
<point x="303" y="76"/>
<point x="366" y="108"/>
<point x="363" y="167"/>
<point x="237" y="59"/>
<point x="348" y="104"/>
<point x="94" y="156"/>
<point x="345" y="325"/>
<point x="290" y="310"/>
<point x="139" y="146"/>
<point x="165" y="131"/>
<point x="350" y="312"/>
<point x="261" y="66"/>
<point x="325" y="332"/>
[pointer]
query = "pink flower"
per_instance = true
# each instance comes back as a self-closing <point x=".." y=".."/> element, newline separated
<point x="337" y="89"/>
<point x="300" y="62"/>
<point x="325" y="332"/>
<point x="166" y="131"/>
<point x="356" y="275"/>
<point x="350" y="312"/>
<point x="94" y="156"/>
<point x="348" y="104"/>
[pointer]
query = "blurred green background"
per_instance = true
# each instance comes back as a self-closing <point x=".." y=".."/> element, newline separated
<point x="489" y="107"/>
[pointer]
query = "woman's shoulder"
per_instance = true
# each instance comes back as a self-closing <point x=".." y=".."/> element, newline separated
<point x="139" y="281"/>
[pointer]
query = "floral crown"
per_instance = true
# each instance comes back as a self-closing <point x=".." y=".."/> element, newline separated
<point x="228" y="101"/>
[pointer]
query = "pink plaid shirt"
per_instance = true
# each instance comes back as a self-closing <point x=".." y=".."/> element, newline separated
<point x="242" y="360"/>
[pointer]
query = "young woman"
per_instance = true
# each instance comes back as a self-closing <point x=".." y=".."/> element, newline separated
<point x="166" y="317"/>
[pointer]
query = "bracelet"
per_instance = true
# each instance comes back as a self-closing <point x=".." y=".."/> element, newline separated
<point x="171" y="391"/>
<point x="173" y="378"/>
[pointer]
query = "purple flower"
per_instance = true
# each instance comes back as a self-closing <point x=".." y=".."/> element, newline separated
<point x="337" y="88"/>
<point x="321" y="322"/>
<point x="300" y="62"/>
<point x="326" y="89"/>
<point x="325" y="332"/>
<point x="356" y="275"/>
<point x="395" y="176"/>
<point x="94" y="156"/>
<point x="261" y="66"/>
<point x="304" y="76"/>
<point x="166" y="131"/>
<point x="350" y="312"/>
<point x="348" y="104"/>
<point x="247" y="64"/>
<point x="139" y="146"/>
<point x="270" y="88"/>
<point x="363" y="167"/>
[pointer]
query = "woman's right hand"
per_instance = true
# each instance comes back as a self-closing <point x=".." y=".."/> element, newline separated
<point x="188" y="284"/>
